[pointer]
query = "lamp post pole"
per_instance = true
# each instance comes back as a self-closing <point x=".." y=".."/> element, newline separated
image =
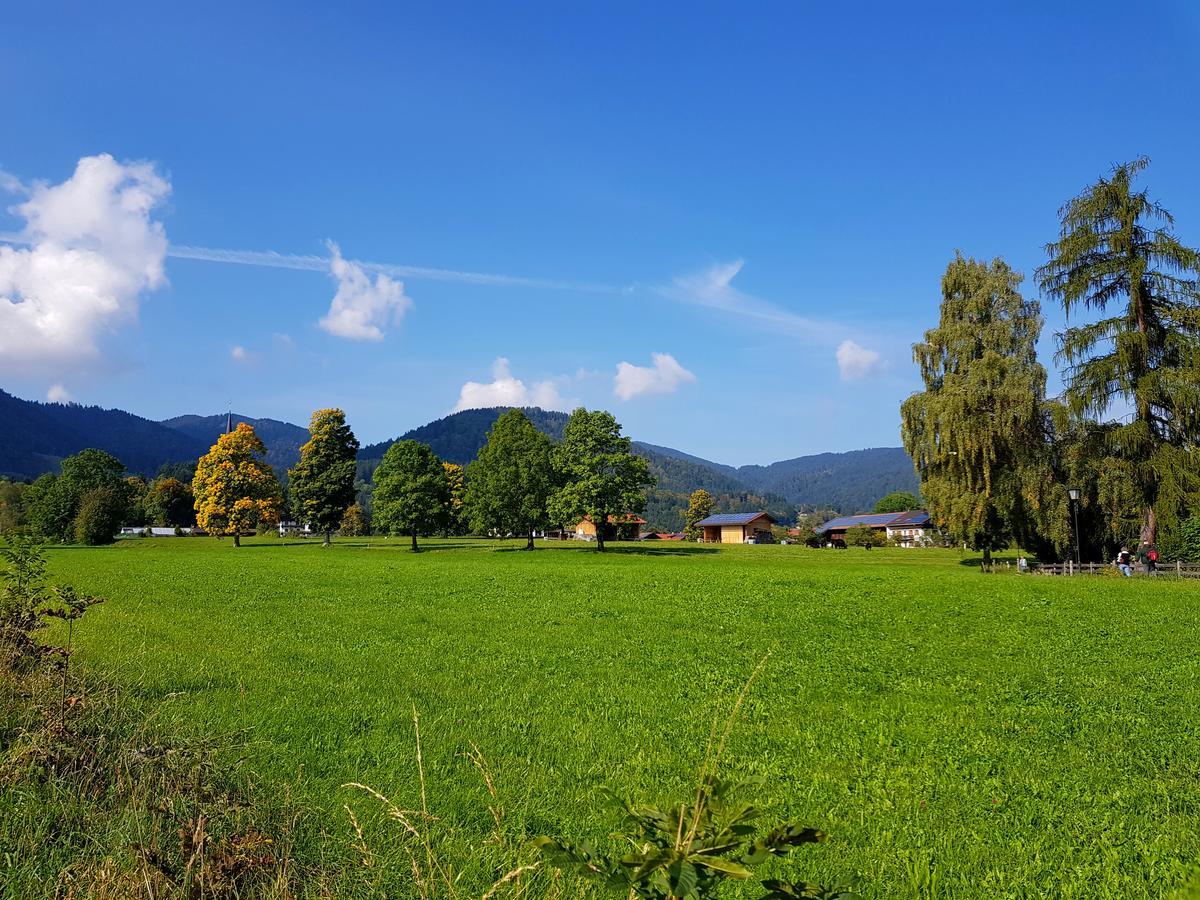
<point x="1073" y="493"/>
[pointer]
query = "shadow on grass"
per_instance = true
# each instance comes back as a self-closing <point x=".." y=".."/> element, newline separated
<point x="976" y="562"/>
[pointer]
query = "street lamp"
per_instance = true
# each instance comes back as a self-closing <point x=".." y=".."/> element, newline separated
<point x="1073" y="493"/>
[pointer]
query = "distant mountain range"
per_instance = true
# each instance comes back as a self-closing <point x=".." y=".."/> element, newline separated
<point x="37" y="436"/>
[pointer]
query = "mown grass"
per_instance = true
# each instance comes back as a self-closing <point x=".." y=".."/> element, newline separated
<point x="955" y="734"/>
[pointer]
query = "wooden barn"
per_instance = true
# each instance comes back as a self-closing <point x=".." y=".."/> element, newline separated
<point x="738" y="528"/>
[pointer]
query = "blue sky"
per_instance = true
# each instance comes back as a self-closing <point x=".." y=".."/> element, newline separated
<point x="720" y="199"/>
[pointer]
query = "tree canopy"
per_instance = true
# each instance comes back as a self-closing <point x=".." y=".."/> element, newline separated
<point x="1116" y="248"/>
<point x="700" y="507"/>
<point x="601" y="476"/>
<point x="510" y="483"/>
<point x="411" y="491"/>
<point x="977" y="433"/>
<point x="234" y="488"/>
<point x="322" y="482"/>
<point x="897" y="502"/>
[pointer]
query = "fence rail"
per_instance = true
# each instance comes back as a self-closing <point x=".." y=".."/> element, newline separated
<point x="1177" y="568"/>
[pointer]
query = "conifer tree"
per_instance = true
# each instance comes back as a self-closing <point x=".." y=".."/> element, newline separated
<point x="1117" y="249"/>
<point x="322" y="482"/>
<point x="234" y="487"/>
<point x="976" y="433"/>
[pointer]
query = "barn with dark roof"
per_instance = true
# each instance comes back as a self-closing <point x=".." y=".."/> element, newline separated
<point x="738" y="528"/>
<point x="906" y="529"/>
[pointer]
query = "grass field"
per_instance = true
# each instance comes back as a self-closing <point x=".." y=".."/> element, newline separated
<point x="955" y="734"/>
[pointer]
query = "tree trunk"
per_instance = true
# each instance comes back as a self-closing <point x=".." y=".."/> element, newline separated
<point x="599" y="541"/>
<point x="987" y="558"/>
<point x="237" y="539"/>
<point x="529" y="546"/>
<point x="415" y="548"/>
<point x="1149" y="525"/>
<point x="325" y="543"/>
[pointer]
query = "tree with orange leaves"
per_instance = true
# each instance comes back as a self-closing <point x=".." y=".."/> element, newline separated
<point x="235" y="489"/>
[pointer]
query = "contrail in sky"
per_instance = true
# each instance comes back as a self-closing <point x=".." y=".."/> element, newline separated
<point x="314" y="263"/>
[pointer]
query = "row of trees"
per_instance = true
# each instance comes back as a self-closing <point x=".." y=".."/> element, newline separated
<point x="996" y="456"/>
<point x="90" y="498"/>
<point x="520" y="482"/>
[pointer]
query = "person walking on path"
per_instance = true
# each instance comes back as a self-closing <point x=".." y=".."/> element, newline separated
<point x="1148" y="556"/>
<point x="1125" y="562"/>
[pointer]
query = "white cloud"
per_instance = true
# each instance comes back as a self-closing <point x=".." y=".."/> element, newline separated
<point x="89" y="248"/>
<point x="713" y="288"/>
<point x="361" y="309"/>
<point x="505" y="390"/>
<point x="664" y="377"/>
<point x="240" y="354"/>
<point x="58" y="394"/>
<point x="856" y="362"/>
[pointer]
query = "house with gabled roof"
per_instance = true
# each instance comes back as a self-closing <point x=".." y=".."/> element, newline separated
<point x="905" y="529"/>
<point x="617" y="528"/>
<point x="738" y="528"/>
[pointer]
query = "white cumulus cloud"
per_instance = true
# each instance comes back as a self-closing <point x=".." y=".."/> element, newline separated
<point x="856" y="362"/>
<point x="58" y="394"/>
<point x="362" y="308"/>
<point x="239" y="354"/>
<point x="89" y="247"/>
<point x="664" y="377"/>
<point x="505" y="390"/>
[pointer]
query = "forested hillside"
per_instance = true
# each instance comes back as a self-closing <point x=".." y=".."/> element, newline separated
<point x="39" y="435"/>
<point x="283" y="439"/>
<point x="36" y="437"/>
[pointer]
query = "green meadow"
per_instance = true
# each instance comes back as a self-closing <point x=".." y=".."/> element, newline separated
<point x="956" y="735"/>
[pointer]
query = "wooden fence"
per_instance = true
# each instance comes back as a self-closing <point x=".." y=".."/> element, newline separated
<point x="1177" y="569"/>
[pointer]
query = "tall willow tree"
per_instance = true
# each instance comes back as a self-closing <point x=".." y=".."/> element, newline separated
<point x="1117" y="249"/>
<point x="976" y="433"/>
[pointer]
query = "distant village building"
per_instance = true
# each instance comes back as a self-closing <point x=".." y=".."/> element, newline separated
<point x="299" y="529"/>
<point x="904" y="529"/>
<point x="738" y="528"/>
<point x="618" y="528"/>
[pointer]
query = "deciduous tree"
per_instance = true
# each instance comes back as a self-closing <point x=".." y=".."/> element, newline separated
<point x="864" y="536"/>
<point x="601" y="475"/>
<point x="322" y="482"/>
<point x="99" y="518"/>
<point x="454" y="516"/>
<point x="897" y="502"/>
<point x="169" y="502"/>
<point x="510" y="483"/>
<point x="1117" y="248"/>
<point x="700" y="507"/>
<point x="411" y="491"/>
<point x="976" y="434"/>
<point x="354" y="522"/>
<point x="234" y="487"/>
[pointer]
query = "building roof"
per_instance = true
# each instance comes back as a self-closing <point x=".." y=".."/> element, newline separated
<point x="735" y="518"/>
<point x="878" y="520"/>
<point x="627" y="519"/>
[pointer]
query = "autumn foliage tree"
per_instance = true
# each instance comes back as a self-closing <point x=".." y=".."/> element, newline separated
<point x="322" y="482"/>
<point x="700" y="507"/>
<point x="454" y="516"/>
<point x="235" y="489"/>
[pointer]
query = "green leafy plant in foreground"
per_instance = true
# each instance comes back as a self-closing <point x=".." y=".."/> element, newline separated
<point x="690" y="850"/>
